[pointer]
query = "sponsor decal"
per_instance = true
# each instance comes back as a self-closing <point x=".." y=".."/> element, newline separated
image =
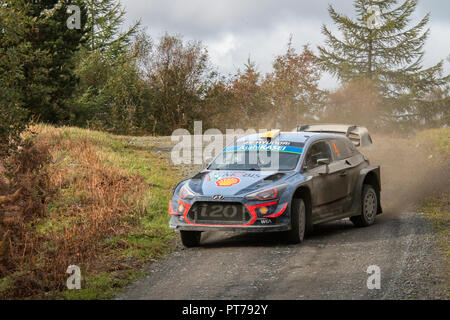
<point x="217" y="176"/>
<point x="265" y="221"/>
<point x="274" y="143"/>
<point x="256" y="146"/>
<point x="227" y="182"/>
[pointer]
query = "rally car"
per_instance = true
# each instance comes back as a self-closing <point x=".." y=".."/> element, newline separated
<point x="281" y="181"/>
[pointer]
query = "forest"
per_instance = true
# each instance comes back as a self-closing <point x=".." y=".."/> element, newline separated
<point x="124" y="82"/>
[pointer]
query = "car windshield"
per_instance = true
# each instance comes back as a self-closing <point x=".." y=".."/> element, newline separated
<point x="255" y="160"/>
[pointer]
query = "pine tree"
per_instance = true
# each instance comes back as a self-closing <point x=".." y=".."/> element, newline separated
<point x="14" y="53"/>
<point x="50" y="95"/>
<point x="38" y="57"/>
<point x="105" y="17"/>
<point x="47" y="68"/>
<point x="390" y="54"/>
<point x="106" y="50"/>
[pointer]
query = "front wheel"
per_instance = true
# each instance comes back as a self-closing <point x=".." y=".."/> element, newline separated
<point x="369" y="208"/>
<point x="190" y="238"/>
<point x="298" y="222"/>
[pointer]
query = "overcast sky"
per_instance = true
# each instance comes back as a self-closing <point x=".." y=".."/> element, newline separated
<point x="233" y="30"/>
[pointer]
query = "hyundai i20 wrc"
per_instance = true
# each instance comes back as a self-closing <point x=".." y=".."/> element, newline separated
<point x="281" y="181"/>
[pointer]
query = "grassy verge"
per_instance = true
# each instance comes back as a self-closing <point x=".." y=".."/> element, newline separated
<point x="105" y="210"/>
<point x="437" y="209"/>
<point x="439" y="138"/>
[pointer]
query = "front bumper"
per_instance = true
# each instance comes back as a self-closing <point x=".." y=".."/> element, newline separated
<point x="179" y="224"/>
<point x="275" y="220"/>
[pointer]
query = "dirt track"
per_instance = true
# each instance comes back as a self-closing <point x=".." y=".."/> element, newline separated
<point x="330" y="264"/>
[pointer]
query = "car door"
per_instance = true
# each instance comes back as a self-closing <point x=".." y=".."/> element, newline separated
<point x="355" y="162"/>
<point x="325" y="191"/>
<point x="342" y="167"/>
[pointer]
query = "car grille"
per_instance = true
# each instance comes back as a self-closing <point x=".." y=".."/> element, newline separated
<point x="219" y="213"/>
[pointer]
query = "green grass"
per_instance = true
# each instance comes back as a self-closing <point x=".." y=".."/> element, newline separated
<point x="437" y="210"/>
<point x="102" y="286"/>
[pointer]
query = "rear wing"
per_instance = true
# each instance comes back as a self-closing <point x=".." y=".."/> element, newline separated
<point x="358" y="135"/>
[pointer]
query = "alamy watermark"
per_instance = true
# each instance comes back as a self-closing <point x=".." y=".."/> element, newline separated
<point x="226" y="148"/>
<point x="74" y="281"/>
<point x="374" y="20"/>
<point x="74" y="21"/>
<point x="374" y="280"/>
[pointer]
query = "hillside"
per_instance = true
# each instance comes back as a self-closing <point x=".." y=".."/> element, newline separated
<point x="80" y="197"/>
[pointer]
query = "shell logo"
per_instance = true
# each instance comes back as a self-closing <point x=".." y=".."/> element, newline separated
<point x="227" y="182"/>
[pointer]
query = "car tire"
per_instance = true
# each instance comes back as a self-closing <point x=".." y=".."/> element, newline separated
<point x="369" y="207"/>
<point x="298" y="222"/>
<point x="190" y="238"/>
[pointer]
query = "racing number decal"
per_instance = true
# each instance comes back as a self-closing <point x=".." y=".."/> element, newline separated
<point x="215" y="213"/>
<point x="233" y="213"/>
<point x="219" y="211"/>
<point x="227" y="182"/>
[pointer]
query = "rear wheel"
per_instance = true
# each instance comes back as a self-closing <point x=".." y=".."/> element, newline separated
<point x="369" y="207"/>
<point x="190" y="238"/>
<point x="298" y="222"/>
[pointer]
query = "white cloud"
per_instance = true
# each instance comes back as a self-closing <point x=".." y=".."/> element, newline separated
<point x="221" y="51"/>
<point x="233" y="30"/>
<point x="437" y="47"/>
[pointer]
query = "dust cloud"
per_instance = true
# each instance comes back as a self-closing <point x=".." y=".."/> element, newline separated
<point x="410" y="171"/>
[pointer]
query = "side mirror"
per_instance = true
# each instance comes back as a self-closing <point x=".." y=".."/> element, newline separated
<point x="324" y="161"/>
<point x="324" y="165"/>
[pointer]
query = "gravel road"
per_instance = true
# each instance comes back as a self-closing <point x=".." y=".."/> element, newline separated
<point x="331" y="264"/>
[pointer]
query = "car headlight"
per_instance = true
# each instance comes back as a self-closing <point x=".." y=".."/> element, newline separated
<point x="186" y="192"/>
<point x="267" y="194"/>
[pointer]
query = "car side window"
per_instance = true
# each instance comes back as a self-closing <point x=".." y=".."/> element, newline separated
<point x="341" y="149"/>
<point x="319" y="150"/>
<point x="351" y="147"/>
